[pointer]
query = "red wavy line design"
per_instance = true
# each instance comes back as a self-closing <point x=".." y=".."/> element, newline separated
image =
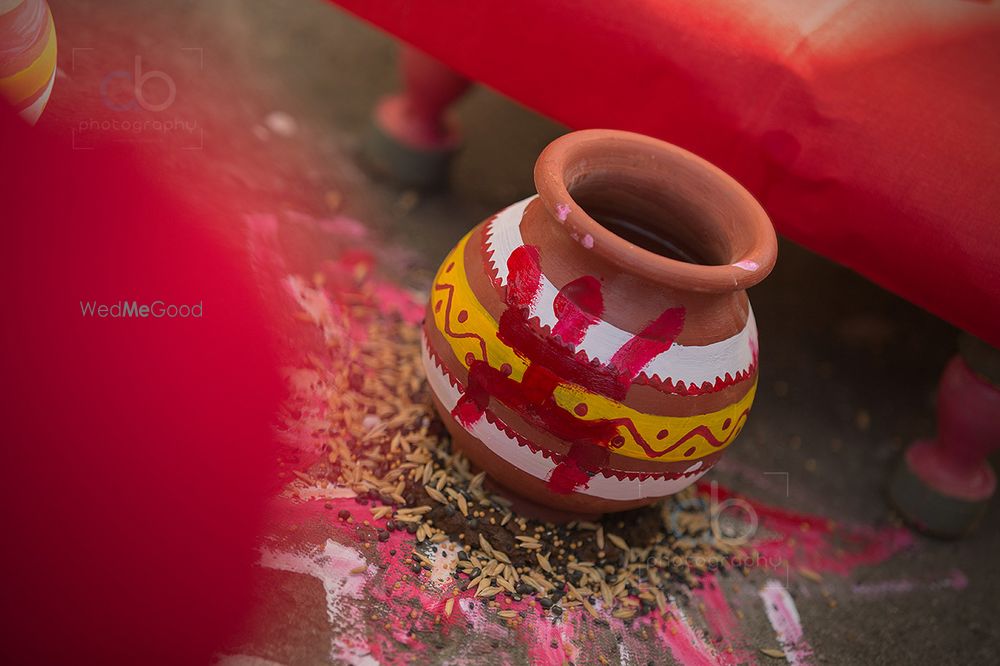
<point x="450" y="288"/>
<point x="705" y="433"/>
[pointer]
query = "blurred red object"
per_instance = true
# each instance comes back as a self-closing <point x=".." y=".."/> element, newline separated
<point x="137" y="451"/>
<point x="868" y="130"/>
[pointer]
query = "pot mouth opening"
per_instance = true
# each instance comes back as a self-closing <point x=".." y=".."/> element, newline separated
<point x="656" y="210"/>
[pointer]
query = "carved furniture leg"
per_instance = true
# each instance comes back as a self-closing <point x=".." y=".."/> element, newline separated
<point x="412" y="140"/>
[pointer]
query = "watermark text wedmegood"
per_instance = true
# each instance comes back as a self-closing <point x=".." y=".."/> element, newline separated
<point x="154" y="309"/>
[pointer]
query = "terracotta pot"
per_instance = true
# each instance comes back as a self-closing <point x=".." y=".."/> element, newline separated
<point x="592" y="347"/>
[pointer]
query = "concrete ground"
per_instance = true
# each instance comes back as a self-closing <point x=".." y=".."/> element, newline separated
<point x="848" y="371"/>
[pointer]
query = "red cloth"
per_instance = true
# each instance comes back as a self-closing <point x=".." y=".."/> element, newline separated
<point x="870" y="131"/>
<point x="138" y="451"/>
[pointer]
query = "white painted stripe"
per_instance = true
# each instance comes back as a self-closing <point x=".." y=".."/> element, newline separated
<point x="681" y="363"/>
<point x="505" y="235"/>
<point x="32" y="113"/>
<point x="540" y="467"/>
<point x="688" y="364"/>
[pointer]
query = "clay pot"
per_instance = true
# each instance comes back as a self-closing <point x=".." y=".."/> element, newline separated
<point x="592" y="347"/>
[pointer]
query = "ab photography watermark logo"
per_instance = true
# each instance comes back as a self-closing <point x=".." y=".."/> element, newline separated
<point x="139" y="101"/>
<point x="732" y="522"/>
<point x="124" y="90"/>
<point x="136" y="310"/>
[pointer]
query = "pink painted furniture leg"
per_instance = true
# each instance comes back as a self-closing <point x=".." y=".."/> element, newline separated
<point x="412" y="139"/>
<point x="942" y="486"/>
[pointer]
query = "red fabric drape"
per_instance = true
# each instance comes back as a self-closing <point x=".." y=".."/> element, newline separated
<point x="869" y="130"/>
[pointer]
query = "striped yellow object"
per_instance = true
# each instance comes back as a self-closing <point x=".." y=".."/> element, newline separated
<point x="22" y="85"/>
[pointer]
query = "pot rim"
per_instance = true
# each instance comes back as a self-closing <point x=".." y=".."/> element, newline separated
<point x="592" y="146"/>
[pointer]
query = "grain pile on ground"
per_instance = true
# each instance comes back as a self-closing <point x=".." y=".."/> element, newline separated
<point x="386" y="443"/>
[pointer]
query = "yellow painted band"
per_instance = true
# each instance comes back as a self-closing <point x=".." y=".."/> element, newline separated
<point x="20" y="86"/>
<point x="451" y="295"/>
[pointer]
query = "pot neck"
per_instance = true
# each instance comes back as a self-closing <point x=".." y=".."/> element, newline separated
<point x="655" y="210"/>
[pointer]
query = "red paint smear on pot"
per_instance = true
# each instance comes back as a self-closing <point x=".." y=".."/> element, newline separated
<point x="524" y="276"/>
<point x="516" y="332"/>
<point x="532" y="398"/>
<point x="578" y="306"/>
<point x="611" y="380"/>
<point x="567" y="477"/>
<point x="555" y="363"/>
<point x="571" y="473"/>
<point x="657" y="337"/>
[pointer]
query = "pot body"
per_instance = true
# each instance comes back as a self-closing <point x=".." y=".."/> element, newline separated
<point x="573" y="381"/>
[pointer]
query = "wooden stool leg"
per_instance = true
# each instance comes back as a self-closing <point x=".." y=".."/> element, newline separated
<point x="942" y="486"/>
<point x="412" y="140"/>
